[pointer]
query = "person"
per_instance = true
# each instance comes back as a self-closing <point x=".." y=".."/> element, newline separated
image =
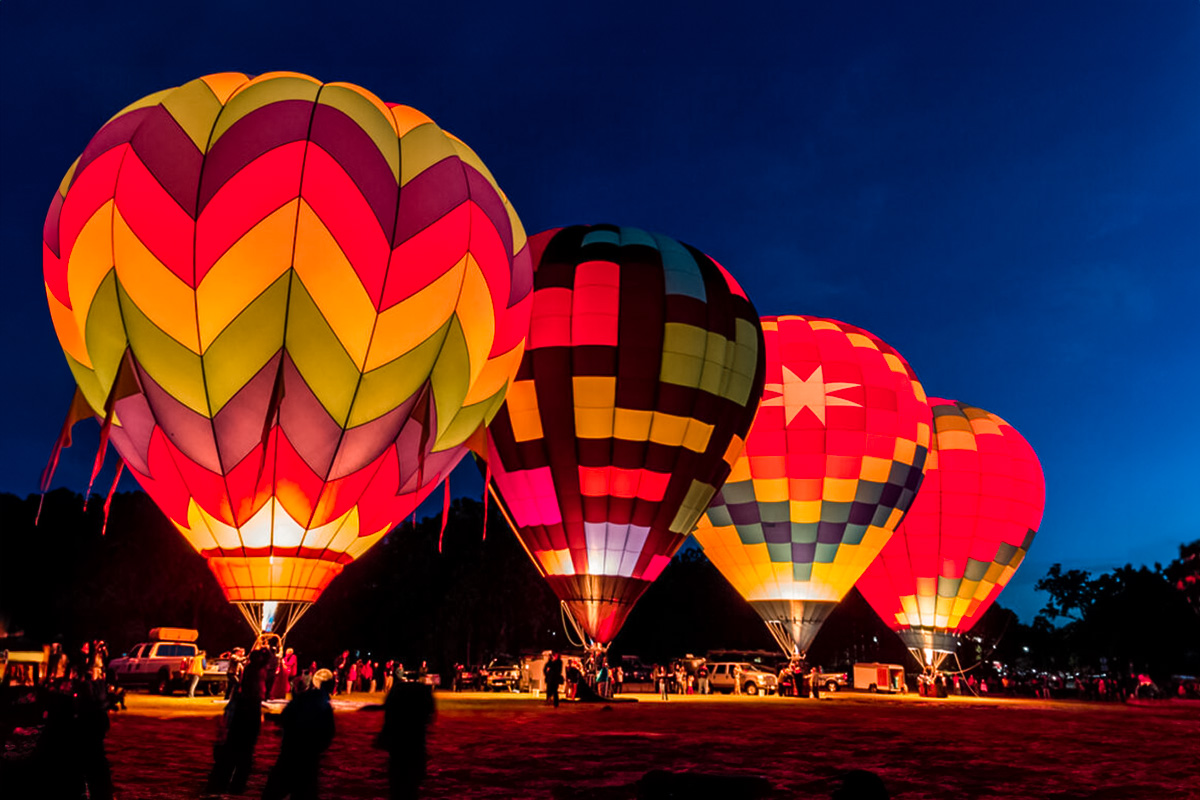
<point x="574" y="677"/>
<point x="407" y="712"/>
<point x="618" y="678"/>
<point x="308" y="729"/>
<point x="785" y="680"/>
<point x="702" y="678"/>
<point x="233" y="755"/>
<point x="368" y="676"/>
<point x="737" y="678"/>
<point x="284" y="673"/>
<point x="195" y="670"/>
<point x="352" y="677"/>
<point x="341" y="668"/>
<point x="233" y="673"/>
<point x="553" y="675"/>
<point x="602" y="678"/>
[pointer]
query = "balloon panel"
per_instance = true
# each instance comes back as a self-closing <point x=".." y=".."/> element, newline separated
<point x="969" y="528"/>
<point x="832" y="463"/>
<point x="642" y="370"/>
<point x="313" y="294"/>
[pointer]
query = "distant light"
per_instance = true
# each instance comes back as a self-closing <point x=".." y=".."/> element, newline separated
<point x="1026" y="649"/>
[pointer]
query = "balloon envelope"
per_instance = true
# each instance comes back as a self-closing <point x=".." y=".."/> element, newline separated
<point x="643" y="368"/>
<point x="965" y="535"/>
<point x="832" y="463"/>
<point x="295" y="302"/>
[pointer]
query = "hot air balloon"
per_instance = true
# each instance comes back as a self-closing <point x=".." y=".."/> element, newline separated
<point x="832" y="462"/>
<point x="965" y="535"/>
<point x="291" y="303"/>
<point x="641" y="375"/>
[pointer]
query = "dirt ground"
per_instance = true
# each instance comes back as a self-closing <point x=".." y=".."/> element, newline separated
<point x="514" y="746"/>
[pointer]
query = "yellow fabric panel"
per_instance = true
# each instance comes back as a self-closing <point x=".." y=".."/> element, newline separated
<point x="414" y="319"/>
<point x="925" y="604"/>
<point x="859" y="340"/>
<point x="333" y="285"/>
<point x="246" y="345"/>
<point x="773" y="325"/>
<point x="905" y="451"/>
<point x="65" y="183"/>
<point x="194" y="107"/>
<point x="875" y="469"/>
<point x="740" y="471"/>
<point x="839" y="490"/>
<point x="405" y="118"/>
<point x="89" y="263"/>
<point x="165" y="300"/>
<point x="733" y="453"/>
<point x="694" y="502"/>
<point x="385" y="388"/>
<point x="87" y="382"/>
<point x="593" y="423"/>
<point x="805" y="510"/>
<point x="318" y="355"/>
<point x="224" y="84"/>
<point x="343" y="531"/>
<point x="894" y="363"/>
<point x="244" y="272"/>
<point x="468" y="420"/>
<point x="950" y="422"/>
<point x="771" y="490"/>
<point x="105" y="336"/>
<point x="827" y="582"/>
<point x="264" y="90"/>
<point x="926" y="587"/>
<point x="169" y="363"/>
<point x="632" y="425"/>
<point x="923" y="436"/>
<point x="556" y="562"/>
<point x="363" y="543"/>
<point x="145" y="102"/>
<point x="719" y="354"/>
<point x="477" y="316"/>
<point x="225" y="536"/>
<point x="497" y="371"/>
<point x="697" y="436"/>
<point x="956" y="440"/>
<point x="421" y="148"/>
<point x="874" y="540"/>
<point x="668" y="429"/>
<point x="448" y="381"/>
<point x="823" y="325"/>
<point x="594" y="391"/>
<point x="911" y="612"/>
<point x="523" y="411"/>
<point x="369" y="113"/>
<point x="983" y="426"/>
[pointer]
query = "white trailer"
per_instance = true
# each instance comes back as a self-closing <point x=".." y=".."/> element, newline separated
<point x="873" y="677"/>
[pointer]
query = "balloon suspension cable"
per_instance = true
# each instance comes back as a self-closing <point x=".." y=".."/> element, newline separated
<point x="270" y="616"/>
<point x="962" y="671"/>
<point x="569" y="624"/>
<point x="783" y="637"/>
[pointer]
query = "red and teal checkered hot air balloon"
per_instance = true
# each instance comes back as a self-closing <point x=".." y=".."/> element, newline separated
<point x="641" y="375"/>
<point x="292" y="303"/>
<point x="832" y="463"/>
<point x="965" y="535"/>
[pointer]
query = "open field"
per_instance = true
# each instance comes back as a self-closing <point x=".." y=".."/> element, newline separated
<point x="501" y="746"/>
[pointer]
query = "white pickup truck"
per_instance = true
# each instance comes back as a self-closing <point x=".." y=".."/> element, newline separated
<point x="161" y="663"/>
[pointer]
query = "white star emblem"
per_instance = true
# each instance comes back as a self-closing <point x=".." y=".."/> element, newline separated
<point x="796" y="394"/>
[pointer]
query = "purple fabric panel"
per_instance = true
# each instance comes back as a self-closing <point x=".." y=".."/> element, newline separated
<point x="429" y="197"/>
<point x="363" y="444"/>
<point x="170" y="155"/>
<point x="313" y="433"/>
<point x="192" y="433"/>
<point x="254" y="134"/>
<point x="341" y="137"/>
<point x="117" y="132"/>
<point x="239" y="424"/>
<point x="484" y="195"/>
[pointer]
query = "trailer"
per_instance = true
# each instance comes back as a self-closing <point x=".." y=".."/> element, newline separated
<point x="873" y="677"/>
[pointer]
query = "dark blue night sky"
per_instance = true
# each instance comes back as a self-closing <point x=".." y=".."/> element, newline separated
<point x="1008" y="193"/>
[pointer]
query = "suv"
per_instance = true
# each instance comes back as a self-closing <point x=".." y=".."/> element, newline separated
<point x="501" y="674"/>
<point x="160" y="664"/>
<point x="754" y="679"/>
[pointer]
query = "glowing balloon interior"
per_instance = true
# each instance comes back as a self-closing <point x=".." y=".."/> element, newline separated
<point x="641" y="376"/>
<point x="965" y="535"/>
<point x="293" y="303"/>
<point x="832" y="462"/>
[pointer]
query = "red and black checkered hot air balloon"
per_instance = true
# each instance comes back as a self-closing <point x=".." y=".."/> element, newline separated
<point x="641" y="375"/>
<point x="832" y="463"/>
<point x="965" y="535"/>
<point x="291" y="303"/>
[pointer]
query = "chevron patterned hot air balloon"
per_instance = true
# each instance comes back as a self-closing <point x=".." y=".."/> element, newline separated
<point x="642" y="372"/>
<point x="832" y="463"/>
<point x="965" y="535"/>
<point x="292" y="303"/>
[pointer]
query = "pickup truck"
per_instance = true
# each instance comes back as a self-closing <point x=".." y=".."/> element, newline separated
<point x="160" y="664"/>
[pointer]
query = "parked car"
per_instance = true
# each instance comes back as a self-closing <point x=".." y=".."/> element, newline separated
<point x="833" y="681"/>
<point x="160" y="664"/>
<point x="501" y="674"/>
<point x="755" y="679"/>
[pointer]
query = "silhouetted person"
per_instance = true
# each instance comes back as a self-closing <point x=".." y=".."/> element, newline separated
<point x="407" y="712"/>
<point x="553" y="673"/>
<point x="70" y="755"/>
<point x="859" y="784"/>
<point x="234" y="755"/>
<point x="307" y="724"/>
